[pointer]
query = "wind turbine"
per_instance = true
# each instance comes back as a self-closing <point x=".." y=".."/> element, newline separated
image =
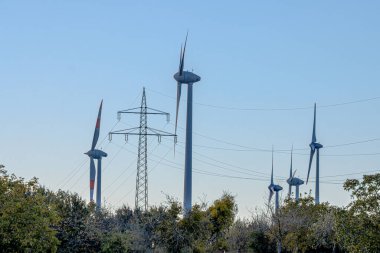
<point x="294" y="181"/>
<point x="96" y="154"/>
<point x="189" y="78"/>
<point x="314" y="146"/>
<point x="274" y="189"/>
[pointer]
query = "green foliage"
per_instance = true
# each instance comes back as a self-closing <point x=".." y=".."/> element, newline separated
<point x="239" y="234"/>
<point x="358" y="226"/>
<point x="305" y="226"/>
<point x="75" y="230"/>
<point x="222" y="214"/>
<point x="201" y="230"/>
<point x="261" y="243"/>
<point x="115" y="243"/>
<point x="34" y="219"/>
<point x="26" y="217"/>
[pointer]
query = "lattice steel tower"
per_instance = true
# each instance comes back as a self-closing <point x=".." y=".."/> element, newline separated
<point x="141" y="199"/>
<point x="143" y="131"/>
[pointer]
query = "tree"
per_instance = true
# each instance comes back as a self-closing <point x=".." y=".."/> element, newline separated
<point x="171" y="236"/>
<point x="26" y="217"/>
<point x="221" y="214"/>
<point x="115" y="243"/>
<point x="78" y="229"/>
<point x="196" y="228"/>
<point x="358" y="225"/>
<point x="304" y="226"/>
<point x="239" y="235"/>
<point x="260" y="239"/>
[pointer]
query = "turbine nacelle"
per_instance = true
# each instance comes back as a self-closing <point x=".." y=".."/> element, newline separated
<point x="294" y="181"/>
<point x="96" y="154"/>
<point x="186" y="77"/>
<point x="315" y="145"/>
<point x="274" y="188"/>
<point x="277" y="188"/>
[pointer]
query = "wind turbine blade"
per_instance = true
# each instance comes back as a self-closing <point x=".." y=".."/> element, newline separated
<point x="97" y="127"/>
<point x="99" y="185"/>
<point x="92" y="178"/>
<point x="271" y="177"/>
<point x="291" y="162"/>
<point x="312" y="151"/>
<point x="183" y="57"/>
<point x="314" y="138"/>
<point x="178" y="100"/>
<point x="271" y="192"/>
<point x="294" y="174"/>
<point x="290" y="174"/>
<point x="180" y="63"/>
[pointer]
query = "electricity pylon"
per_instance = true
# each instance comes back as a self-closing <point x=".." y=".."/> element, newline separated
<point x="143" y="131"/>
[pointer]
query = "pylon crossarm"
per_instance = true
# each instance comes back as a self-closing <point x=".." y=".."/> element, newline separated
<point x="130" y="110"/>
<point x="127" y="130"/>
<point x="160" y="132"/>
<point x="158" y="112"/>
<point x="137" y="110"/>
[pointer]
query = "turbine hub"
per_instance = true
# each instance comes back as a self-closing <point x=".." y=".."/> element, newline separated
<point x="186" y="77"/>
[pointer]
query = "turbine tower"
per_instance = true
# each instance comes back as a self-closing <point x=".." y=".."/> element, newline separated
<point x="293" y="181"/>
<point x="274" y="189"/>
<point x="189" y="78"/>
<point x="96" y="154"/>
<point x="314" y="146"/>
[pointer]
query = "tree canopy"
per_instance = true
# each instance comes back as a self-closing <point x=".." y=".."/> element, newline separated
<point x="35" y="219"/>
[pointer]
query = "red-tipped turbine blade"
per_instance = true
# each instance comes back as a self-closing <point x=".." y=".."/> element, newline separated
<point x="97" y="127"/>
<point x="92" y="178"/>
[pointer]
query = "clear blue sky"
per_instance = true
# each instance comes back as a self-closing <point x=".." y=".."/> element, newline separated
<point x="58" y="59"/>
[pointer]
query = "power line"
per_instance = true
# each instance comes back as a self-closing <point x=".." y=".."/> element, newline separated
<point x="155" y="166"/>
<point x="243" y="148"/>
<point x="127" y="178"/>
<point x="227" y="164"/>
<point x="72" y="174"/>
<point x="177" y="166"/>
<point x="282" y="178"/>
<point x="349" y="174"/>
<point x="287" y="153"/>
<point x="77" y="169"/>
<point x="293" y="108"/>
<point x="101" y="142"/>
